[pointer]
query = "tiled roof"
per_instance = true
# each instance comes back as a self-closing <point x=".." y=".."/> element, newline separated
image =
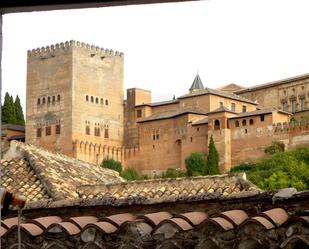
<point x="221" y="109"/>
<point x="197" y="84"/>
<point x="168" y="102"/>
<point x="196" y="228"/>
<point x="172" y="114"/>
<point x="13" y="127"/>
<point x="257" y="112"/>
<point x="44" y="174"/>
<point x="201" y="121"/>
<point x="217" y="93"/>
<point x="274" y="83"/>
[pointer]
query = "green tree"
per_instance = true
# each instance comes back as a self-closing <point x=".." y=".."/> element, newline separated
<point x="173" y="173"/>
<point x="8" y="110"/>
<point x="130" y="174"/>
<point x="19" y="116"/>
<point x="112" y="164"/>
<point x="275" y="147"/>
<point x="212" y="159"/>
<point x="195" y="164"/>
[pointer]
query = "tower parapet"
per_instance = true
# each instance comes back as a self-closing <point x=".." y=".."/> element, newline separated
<point x="53" y="50"/>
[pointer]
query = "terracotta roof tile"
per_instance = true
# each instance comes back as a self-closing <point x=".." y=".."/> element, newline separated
<point x="67" y="227"/>
<point x="155" y="218"/>
<point x="264" y="222"/>
<point x="193" y="218"/>
<point x="277" y="215"/>
<point x="119" y="219"/>
<point x="2" y="231"/>
<point x="82" y="221"/>
<point x="236" y="217"/>
<point x="181" y="223"/>
<point x="32" y="229"/>
<point x="8" y="223"/>
<point x="223" y="223"/>
<point x="44" y="222"/>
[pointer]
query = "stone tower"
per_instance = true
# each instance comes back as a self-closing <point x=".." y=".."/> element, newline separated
<point x="74" y="93"/>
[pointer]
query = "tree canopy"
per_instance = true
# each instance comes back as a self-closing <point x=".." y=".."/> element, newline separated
<point x="11" y="111"/>
<point x="212" y="159"/>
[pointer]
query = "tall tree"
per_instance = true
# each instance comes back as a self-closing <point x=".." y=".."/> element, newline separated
<point x="19" y="116"/>
<point x="8" y="110"/>
<point x="212" y="159"/>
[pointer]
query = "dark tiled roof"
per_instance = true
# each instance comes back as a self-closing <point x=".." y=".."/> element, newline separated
<point x="168" y="102"/>
<point x="39" y="174"/>
<point x="172" y="114"/>
<point x="201" y="121"/>
<point x="257" y="112"/>
<point x="217" y="93"/>
<point x="13" y="127"/>
<point x="197" y="84"/>
<point x="229" y="229"/>
<point x="274" y="83"/>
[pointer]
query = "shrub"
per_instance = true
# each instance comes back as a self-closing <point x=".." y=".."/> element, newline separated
<point x="242" y="167"/>
<point x="112" y="164"/>
<point x="173" y="173"/>
<point x="195" y="164"/>
<point x="130" y="174"/>
<point x="275" y="147"/>
<point x="212" y="167"/>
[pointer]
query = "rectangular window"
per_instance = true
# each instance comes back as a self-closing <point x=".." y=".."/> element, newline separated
<point x="58" y="129"/>
<point x="39" y="132"/>
<point x="285" y="106"/>
<point x="106" y="135"/>
<point x="97" y="131"/>
<point x="139" y="113"/>
<point x="293" y="104"/>
<point x="48" y="131"/>
<point x="302" y="104"/>
<point x="244" y="108"/>
<point x="220" y="104"/>
<point x="87" y="130"/>
<point x="233" y="107"/>
<point x="262" y="118"/>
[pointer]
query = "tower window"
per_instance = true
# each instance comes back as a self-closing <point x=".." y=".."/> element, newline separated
<point x="58" y="97"/>
<point x="39" y="132"/>
<point x="39" y="101"/>
<point x="293" y="103"/>
<point x="285" y="106"/>
<point x="217" y="124"/>
<point x="233" y="107"/>
<point x="87" y="130"/>
<point x="262" y="118"/>
<point x="48" y="99"/>
<point x="244" y="122"/>
<point x="97" y="131"/>
<point x="48" y="131"/>
<point x="302" y="104"/>
<point x="101" y="101"/>
<point x="106" y="102"/>
<point x="97" y="100"/>
<point x="106" y="134"/>
<point x="244" y="108"/>
<point x="58" y="129"/>
<point x="139" y="113"/>
<point x="251" y="121"/>
<point x="91" y="99"/>
<point x="237" y="123"/>
<point x="54" y="98"/>
<point x="220" y="104"/>
<point x="87" y="98"/>
<point x="43" y="100"/>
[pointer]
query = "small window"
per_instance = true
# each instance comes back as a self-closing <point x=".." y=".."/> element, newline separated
<point x="191" y="139"/>
<point x="101" y="101"/>
<point x="285" y="106"/>
<point x="48" y="131"/>
<point x="262" y="117"/>
<point x="197" y="129"/>
<point x="302" y="104"/>
<point x="48" y="99"/>
<point x="91" y="99"/>
<point x="54" y="98"/>
<point x="153" y="136"/>
<point x="233" y="107"/>
<point x="43" y="100"/>
<point x="244" y="108"/>
<point x="87" y="98"/>
<point x="106" y="102"/>
<point x="58" y="97"/>
<point x="244" y="122"/>
<point x="39" y="132"/>
<point x="217" y="124"/>
<point x="39" y="101"/>
<point x="251" y="121"/>
<point x="139" y="113"/>
<point x="237" y="123"/>
<point x="58" y="129"/>
<point x="97" y="100"/>
<point x="87" y="130"/>
<point x="157" y="135"/>
<point x="293" y="103"/>
<point x="106" y="134"/>
<point x="153" y="146"/>
<point x="97" y="131"/>
<point x="220" y="104"/>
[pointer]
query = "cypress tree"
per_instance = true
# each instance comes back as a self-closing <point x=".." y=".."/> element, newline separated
<point x="212" y="159"/>
<point x="19" y="112"/>
<point x="8" y="110"/>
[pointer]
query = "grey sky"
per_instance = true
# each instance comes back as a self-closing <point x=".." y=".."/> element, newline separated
<point x="247" y="42"/>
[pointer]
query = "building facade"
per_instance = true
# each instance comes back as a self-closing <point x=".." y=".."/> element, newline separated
<point x="75" y="106"/>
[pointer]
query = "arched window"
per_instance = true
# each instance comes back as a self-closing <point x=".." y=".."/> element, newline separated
<point x="43" y="100"/>
<point x="58" y="97"/>
<point x="251" y="122"/>
<point x="39" y="101"/>
<point x="244" y="122"/>
<point x="48" y="99"/>
<point x="217" y="124"/>
<point x="97" y="100"/>
<point x="91" y="99"/>
<point x="54" y="98"/>
<point x="106" y="102"/>
<point x="87" y="130"/>
<point x="106" y="135"/>
<point x="101" y="101"/>
<point x="237" y="123"/>
<point x="87" y="98"/>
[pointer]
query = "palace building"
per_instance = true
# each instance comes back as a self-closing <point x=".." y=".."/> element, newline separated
<point x="75" y="106"/>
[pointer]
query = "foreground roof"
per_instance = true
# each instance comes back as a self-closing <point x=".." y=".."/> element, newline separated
<point x="207" y="91"/>
<point x="40" y="174"/>
<point x="250" y="220"/>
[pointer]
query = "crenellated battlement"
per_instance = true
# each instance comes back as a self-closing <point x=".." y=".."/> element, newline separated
<point x="290" y="127"/>
<point x="51" y="51"/>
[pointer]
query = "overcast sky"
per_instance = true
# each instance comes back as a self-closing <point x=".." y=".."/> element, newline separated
<point x="246" y="42"/>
